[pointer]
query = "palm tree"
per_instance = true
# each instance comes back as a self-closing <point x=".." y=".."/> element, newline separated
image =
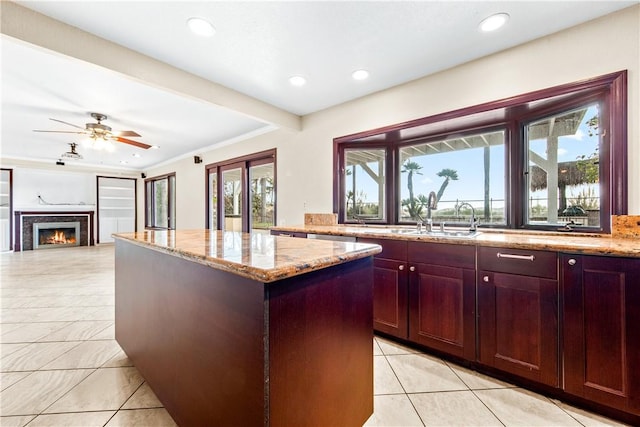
<point x="448" y="175"/>
<point x="413" y="206"/>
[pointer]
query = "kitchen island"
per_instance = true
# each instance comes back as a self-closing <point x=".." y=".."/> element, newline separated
<point x="248" y="329"/>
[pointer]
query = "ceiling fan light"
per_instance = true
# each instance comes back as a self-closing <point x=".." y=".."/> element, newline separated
<point x="72" y="156"/>
<point x="72" y="153"/>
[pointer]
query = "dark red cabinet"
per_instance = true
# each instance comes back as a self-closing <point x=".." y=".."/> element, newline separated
<point x="518" y="312"/>
<point x="390" y="287"/>
<point x="442" y="297"/>
<point x="601" y="308"/>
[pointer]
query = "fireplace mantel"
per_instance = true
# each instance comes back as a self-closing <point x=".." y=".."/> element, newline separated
<point x="24" y="221"/>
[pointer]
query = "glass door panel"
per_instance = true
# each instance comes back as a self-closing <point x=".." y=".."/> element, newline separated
<point x="213" y="201"/>
<point x="262" y="201"/>
<point x="161" y="203"/>
<point x="232" y="203"/>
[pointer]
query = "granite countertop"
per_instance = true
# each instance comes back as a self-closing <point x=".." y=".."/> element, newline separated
<point x="594" y="244"/>
<point x="257" y="256"/>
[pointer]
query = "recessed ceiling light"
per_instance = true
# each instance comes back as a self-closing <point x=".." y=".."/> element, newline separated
<point x="123" y="162"/>
<point x="494" y="22"/>
<point x="201" y="27"/>
<point x="154" y="147"/>
<point x="136" y="155"/>
<point x="297" y="80"/>
<point x="360" y="74"/>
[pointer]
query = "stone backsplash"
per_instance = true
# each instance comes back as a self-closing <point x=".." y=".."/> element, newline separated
<point x="626" y="226"/>
<point x="320" y="219"/>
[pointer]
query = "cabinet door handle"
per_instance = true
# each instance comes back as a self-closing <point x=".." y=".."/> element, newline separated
<point x="412" y="268"/>
<point x="284" y="234"/>
<point x="571" y="261"/>
<point x="485" y="279"/>
<point x="512" y="256"/>
<point x="401" y="267"/>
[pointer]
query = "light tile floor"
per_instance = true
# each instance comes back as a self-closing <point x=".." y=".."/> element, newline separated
<point x="60" y="364"/>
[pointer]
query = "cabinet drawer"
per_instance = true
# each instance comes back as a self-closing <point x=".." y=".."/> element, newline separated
<point x="463" y="256"/>
<point x="519" y="261"/>
<point x="391" y="249"/>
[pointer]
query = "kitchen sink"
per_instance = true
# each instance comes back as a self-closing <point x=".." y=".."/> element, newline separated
<point x="465" y="234"/>
<point x="452" y="233"/>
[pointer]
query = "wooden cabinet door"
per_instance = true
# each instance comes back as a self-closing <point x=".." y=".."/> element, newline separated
<point x="442" y="308"/>
<point x="602" y="329"/>
<point x="390" y="287"/>
<point x="518" y="325"/>
<point x="390" y="297"/>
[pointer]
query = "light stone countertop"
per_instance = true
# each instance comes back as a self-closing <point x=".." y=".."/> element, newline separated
<point x="257" y="256"/>
<point x="570" y="242"/>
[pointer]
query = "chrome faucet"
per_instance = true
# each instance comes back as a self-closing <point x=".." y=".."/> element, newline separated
<point x="359" y="219"/>
<point x="432" y="203"/>
<point x="473" y="225"/>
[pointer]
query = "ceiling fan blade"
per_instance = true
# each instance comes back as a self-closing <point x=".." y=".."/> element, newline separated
<point x="132" y="142"/>
<point x="66" y="123"/>
<point x="125" y="133"/>
<point x="61" y="131"/>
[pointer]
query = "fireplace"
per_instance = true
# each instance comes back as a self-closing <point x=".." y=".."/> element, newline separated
<point x="33" y="226"/>
<point x="56" y="234"/>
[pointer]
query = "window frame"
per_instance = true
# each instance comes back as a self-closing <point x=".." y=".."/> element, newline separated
<point x="511" y="114"/>
<point x="149" y="200"/>
<point x="245" y="163"/>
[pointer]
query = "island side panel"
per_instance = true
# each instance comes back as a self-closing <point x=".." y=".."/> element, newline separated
<point x="196" y="335"/>
<point x="321" y="347"/>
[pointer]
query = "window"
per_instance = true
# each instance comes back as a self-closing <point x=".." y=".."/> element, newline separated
<point x="463" y="173"/>
<point x="551" y="159"/>
<point x="364" y="178"/>
<point x="248" y="190"/>
<point x="563" y="168"/>
<point x="160" y="202"/>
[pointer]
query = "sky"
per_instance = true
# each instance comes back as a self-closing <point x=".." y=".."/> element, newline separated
<point x="469" y="166"/>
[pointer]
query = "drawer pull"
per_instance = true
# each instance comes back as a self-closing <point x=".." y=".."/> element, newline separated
<point x="401" y="267"/>
<point x="285" y="235"/>
<point x="512" y="256"/>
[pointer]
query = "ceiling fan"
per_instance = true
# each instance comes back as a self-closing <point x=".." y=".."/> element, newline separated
<point x="72" y="153"/>
<point x="97" y="131"/>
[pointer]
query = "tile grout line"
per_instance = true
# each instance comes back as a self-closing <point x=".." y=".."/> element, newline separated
<point x="402" y="385"/>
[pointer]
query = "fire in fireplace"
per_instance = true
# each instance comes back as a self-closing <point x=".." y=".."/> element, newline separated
<point x="55" y="234"/>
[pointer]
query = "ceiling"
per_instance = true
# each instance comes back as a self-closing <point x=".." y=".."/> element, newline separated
<point x="256" y="48"/>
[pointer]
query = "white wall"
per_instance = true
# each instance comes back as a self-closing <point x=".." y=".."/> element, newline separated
<point x="304" y="159"/>
<point x="62" y="189"/>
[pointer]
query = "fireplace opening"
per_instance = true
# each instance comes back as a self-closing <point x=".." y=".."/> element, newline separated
<point x="56" y="234"/>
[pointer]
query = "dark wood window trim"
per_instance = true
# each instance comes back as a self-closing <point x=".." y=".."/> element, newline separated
<point x="149" y="222"/>
<point x="510" y="113"/>
<point x="243" y="162"/>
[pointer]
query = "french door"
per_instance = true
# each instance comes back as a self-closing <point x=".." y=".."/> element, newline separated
<point x="241" y="193"/>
